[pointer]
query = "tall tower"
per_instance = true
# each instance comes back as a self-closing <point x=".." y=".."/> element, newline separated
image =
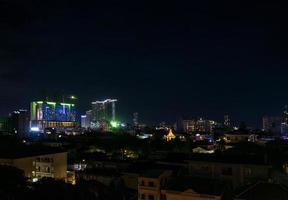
<point x="284" y="124"/>
<point x="135" y="119"/>
<point x="101" y="110"/>
<point x="227" y="121"/>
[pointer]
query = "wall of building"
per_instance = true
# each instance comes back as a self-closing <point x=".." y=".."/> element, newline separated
<point x="150" y="188"/>
<point x="57" y="164"/>
<point x="237" y="174"/>
<point x="188" y="195"/>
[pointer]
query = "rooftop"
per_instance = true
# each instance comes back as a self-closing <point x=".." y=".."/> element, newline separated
<point x="265" y="191"/>
<point x="153" y="173"/>
<point x="198" y="185"/>
<point x="21" y="151"/>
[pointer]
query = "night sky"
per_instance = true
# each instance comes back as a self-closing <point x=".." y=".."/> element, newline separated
<point x="159" y="58"/>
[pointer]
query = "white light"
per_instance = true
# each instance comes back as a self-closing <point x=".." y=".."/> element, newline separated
<point x="34" y="180"/>
<point x="34" y="129"/>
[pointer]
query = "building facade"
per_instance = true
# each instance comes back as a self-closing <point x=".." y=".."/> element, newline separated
<point x="236" y="173"/>
<point x="20" y="121"/>
<point x="35" y="167"/>
<point x="194" y="125"/>
<point x="151" y="183"/>
<point x="56" y="115"/>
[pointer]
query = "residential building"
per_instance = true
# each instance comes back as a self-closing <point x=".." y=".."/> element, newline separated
<point x="36" y="162"/>
<point x="151" y="182"/>
<point x="232" y="169"/>
<point x="191" y="188"/>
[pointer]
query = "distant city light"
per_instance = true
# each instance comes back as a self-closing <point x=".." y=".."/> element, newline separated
<point x="114" y="124"/>
<point x="35" y="129"/>
<point x="51" y="103"/>
<point x="34" y="180"/>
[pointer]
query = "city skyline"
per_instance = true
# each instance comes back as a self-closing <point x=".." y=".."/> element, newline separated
<point x="200" y="59"/>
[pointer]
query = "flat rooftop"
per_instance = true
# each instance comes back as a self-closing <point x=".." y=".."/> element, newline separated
<point x="153" y="173"/>
<point x="22" y="151"/>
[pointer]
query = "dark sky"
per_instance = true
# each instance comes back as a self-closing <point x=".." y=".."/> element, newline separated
<point x="159" y="58"/>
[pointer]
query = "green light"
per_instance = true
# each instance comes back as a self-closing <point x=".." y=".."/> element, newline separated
<point x="66" y="104"/>
<point x="114" y="124"/>
<point x="33" y="110"/>
<point x="39" y="102"/>
<point x="51" y="103"/>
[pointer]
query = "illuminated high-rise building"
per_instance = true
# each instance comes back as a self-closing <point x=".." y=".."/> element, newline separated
<point x="56" y="115"/>
<point x="192" y="125"/>
<point x="103" y="111"/>
<point x="284" y="124"/>
<point x="86" y="119"/>
<point x="227" y="121"/>
<point x="135" y="119"/>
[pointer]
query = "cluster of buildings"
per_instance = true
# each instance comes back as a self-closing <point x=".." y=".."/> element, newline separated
<point x="192" y="125"/>
<point x="17" y="123"/>
<point x="101" y="116"/>
<point x="59" y="116"/>
<point x="278" y="125"/>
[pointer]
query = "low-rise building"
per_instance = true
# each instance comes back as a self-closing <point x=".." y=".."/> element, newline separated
<point x="264" y="191"/>
<point x="188" y="188"/>
<point x="235" y="171"/>
<point x="151" y="182"/>
<point x="36" y="162"/>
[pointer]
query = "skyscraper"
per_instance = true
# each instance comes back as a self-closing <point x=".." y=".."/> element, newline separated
<point x="56" y="115"/>
<point x="86" y="119"/>
<point x="20" y="122"/>
<point x="227" y="121"/>
<point x="284" y="124"/>
<point x="104" y="110"/>
<point x="192" y="125"/>
<point x="272" y="124"/>
<point x="135" y="119"/>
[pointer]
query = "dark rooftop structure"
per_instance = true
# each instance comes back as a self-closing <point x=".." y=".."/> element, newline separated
<point x="198" y="185"/>
<point x="143" y="168"/>
<point x="231" y="158"/>
<point x="153" y="173"/>
<point x="264" y="191"/>
<point x="21" y="151"/>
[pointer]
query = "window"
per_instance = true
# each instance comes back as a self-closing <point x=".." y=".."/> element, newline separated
<point x="151" y="197"/>
<point x="142" y="196"/>
<point x="151" y="184"/>
<point x="247" y="171"/>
